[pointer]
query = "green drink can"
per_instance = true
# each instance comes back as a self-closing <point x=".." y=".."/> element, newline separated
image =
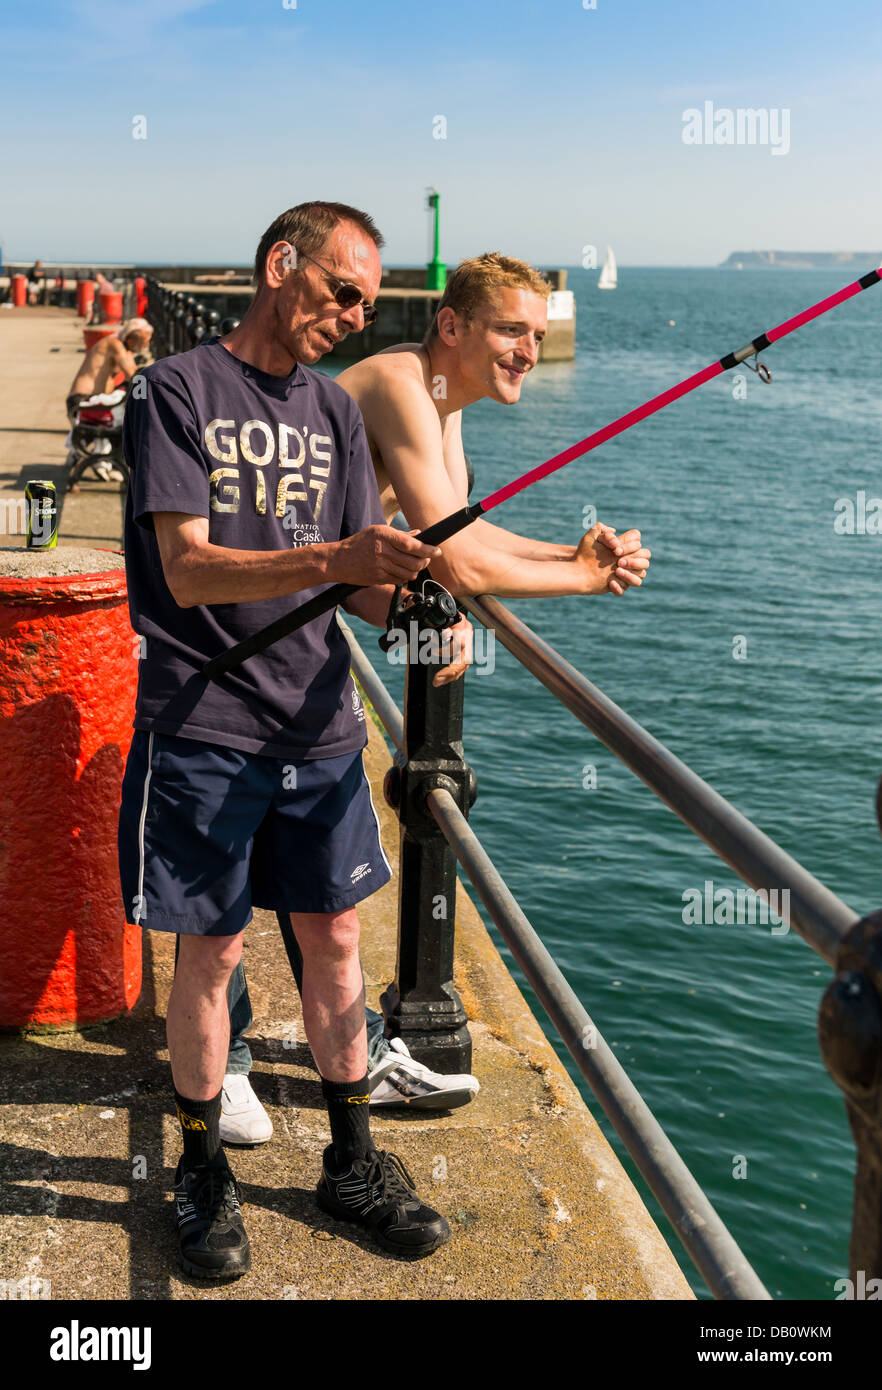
<point x="42" y="515"/>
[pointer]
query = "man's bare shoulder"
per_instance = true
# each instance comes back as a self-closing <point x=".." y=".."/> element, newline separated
<point x="398" y="370"/>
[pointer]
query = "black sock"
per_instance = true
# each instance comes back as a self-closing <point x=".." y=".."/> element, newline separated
<point x="349" y="1112"/>
<point x="200" y="1126"/>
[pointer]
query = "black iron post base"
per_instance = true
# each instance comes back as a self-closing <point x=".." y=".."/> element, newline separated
<point x="421" y="1005"/>
<point x="435" y="1031"/>
<point x="850" y="1031"/>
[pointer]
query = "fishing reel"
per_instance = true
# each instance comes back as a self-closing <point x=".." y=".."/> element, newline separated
<point x="429" y="606"/>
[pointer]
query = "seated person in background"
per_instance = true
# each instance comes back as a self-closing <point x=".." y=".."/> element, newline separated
<point x="36" y="282"/>
<point x="110" y="363"/>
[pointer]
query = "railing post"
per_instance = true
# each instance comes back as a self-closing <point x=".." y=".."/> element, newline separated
<point x="162" y="324"/>
<point x="198" y="332"/>
<point x="189" y="323"/>
<point x="156" y="314"/>
<point x="421" y="1005"/>
<point x="179" y="343"/>
<point x="171" y="326"/>
<point x="850" y="1031"/>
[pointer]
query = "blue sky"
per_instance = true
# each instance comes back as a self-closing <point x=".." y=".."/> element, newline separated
<point x="563" y="125"/>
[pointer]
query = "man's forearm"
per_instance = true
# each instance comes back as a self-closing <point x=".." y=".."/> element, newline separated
<point x="521" y="546"/>
<point x="483" y="570"/>
<point x="371" y="605"/>
<point x="214" y="574"/>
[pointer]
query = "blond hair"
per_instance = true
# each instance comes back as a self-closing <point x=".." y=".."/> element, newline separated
<point x="475" y="281"/>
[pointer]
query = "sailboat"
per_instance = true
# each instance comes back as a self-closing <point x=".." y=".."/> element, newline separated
<point x="609" y="275"/>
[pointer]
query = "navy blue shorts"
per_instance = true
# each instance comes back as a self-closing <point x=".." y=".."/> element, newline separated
<point x="207" y="832"/>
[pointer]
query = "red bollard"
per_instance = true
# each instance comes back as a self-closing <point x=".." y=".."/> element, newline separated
<point x="19" y="291"/>
<point x="85" y="297"/>
<point x="93" y="335"/>
<point x="68" y="680"/>
<point x="111" y="302"/>
<point x="140" y="296"/>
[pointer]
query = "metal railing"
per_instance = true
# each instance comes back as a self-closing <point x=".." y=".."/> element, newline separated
<point x="425" y="788"/>
<point x="818" y="915"/>
<point x="431" y="787"/>
<point x="179" y="321"/>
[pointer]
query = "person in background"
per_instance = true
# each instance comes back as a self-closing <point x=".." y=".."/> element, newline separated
<point x="109" y="364"/>
<point x="36" y="282"/>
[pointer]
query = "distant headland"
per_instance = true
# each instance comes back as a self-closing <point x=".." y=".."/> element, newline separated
<point x="802" y="260"/>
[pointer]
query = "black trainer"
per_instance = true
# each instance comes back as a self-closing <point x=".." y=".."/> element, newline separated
<point x="213" y="1243"/>
<point x="378" y="1192"/>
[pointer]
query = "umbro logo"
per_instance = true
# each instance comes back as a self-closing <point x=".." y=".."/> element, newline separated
<point x="189" y="1121"/>
<point x="360" y="871"/>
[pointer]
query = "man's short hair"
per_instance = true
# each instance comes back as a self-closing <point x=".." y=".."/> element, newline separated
<point x="474" y="282"/>
<point x="308" y="226"/>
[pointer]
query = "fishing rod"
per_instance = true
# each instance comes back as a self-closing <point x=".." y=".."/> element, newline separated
<point x="449" y="525"/>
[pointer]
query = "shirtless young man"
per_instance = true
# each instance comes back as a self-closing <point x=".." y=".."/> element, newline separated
<point x="110" y="362"/>
<point x="483" y="341"/>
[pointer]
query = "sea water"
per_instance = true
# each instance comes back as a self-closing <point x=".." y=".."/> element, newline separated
<point x="754" y="653"/>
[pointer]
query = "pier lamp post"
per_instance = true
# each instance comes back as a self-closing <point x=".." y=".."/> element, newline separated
<point x="436" y="270"/>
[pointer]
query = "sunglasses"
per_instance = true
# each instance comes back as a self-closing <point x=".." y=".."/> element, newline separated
<point x="346" y="294"/>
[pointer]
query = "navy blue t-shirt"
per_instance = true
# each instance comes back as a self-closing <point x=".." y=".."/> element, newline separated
<point x="273" y="463"/>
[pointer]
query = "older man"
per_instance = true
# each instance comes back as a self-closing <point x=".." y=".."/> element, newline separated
<point x="250" y="790"/>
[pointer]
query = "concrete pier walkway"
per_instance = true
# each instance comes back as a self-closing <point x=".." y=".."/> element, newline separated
<point x="41" y="350"/>
<point x="538" y="1204"/>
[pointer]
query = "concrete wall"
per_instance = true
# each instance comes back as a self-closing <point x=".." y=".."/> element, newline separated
<point x="406" y="309"/>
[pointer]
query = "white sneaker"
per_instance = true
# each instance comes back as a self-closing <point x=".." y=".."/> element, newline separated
<point x="243" y="1118"/>
<point x="398" y="1079"/>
